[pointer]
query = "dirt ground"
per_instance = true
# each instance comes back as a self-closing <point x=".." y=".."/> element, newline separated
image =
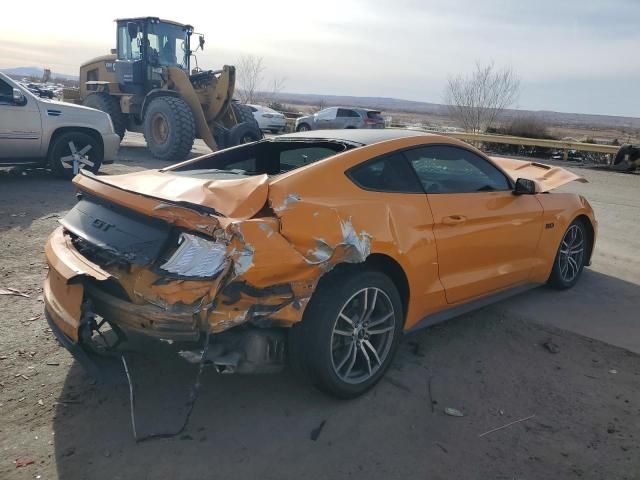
<point x="492" y="365"/>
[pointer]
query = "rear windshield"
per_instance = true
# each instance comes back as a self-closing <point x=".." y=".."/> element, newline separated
<point x="270" y="157"/>
<point x="374" y="115"/>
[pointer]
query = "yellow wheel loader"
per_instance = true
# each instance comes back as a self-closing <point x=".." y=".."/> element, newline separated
<point x="147" y="86"/>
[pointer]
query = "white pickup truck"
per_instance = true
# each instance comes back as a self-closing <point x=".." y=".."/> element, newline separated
<point x="45" y="133"/>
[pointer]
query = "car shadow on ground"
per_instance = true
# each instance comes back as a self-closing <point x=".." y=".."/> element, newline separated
<point x="492" y="365"/>
<point x="598" y="306"/>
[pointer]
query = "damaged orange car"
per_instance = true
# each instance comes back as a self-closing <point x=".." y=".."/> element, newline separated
<point x="321" y="247"/>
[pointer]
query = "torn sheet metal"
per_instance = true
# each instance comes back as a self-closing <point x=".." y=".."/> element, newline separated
<point x="546" y="177"/>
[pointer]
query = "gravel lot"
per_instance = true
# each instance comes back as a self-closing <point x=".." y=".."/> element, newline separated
<point x="492" y="365"/>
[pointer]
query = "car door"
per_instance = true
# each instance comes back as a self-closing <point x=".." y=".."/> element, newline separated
<point x="347" y="118"/>
<point x="485" y="235"/>
<point x="20" y="125"/>
<point x="326" y="119"/>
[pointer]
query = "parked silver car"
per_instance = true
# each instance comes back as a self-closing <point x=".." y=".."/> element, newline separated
<point x="340" y="117"/>
<point x="45" y="133"/>
<point x="268" y="119"/>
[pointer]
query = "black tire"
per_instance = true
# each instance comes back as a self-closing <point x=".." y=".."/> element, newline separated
<point x="169" y="128"/>
<point x="560" y="278"/>
<point x="303" y="127"/>
<point x="243" y="133"/>
<point x="243" y="113"/>
<point x="108" y="104"/>
<point x="60" y="149"/>
<point x="311" y="342"/>
<point x="247" y="129"/>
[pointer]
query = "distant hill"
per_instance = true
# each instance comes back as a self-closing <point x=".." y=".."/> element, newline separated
<point x="35" y="72"/>
<point x="408" y="106"/>
<point x="388" y="104"/>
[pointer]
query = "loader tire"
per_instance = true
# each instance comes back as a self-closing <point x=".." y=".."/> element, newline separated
<point x="169" y="128"/>
<point x="108" y="104"/>
<point x="247" y="129"/>
<point x="243" y="113"/>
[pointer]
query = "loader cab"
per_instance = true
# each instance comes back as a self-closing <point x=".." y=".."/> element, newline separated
<point x="144" y="47"/>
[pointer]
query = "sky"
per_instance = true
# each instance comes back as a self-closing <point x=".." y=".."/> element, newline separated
<point x="578" y="56"/>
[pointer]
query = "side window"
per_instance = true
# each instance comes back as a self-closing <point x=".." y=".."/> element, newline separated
<point x="6" y="93"/>
<point x="327" y="114"/>
<point x="128" y="48"/>
<point x="390" y="173"/>
<point x="353" y="113"/>
<point x="447" y="169"/>
<point x="299" y="157"/>
<point x="343" y="112"/>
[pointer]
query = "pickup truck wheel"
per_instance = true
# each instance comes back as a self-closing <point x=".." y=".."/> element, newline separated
<point x="108" y="104"/>
<point x="169" y="128"/>
<point x="74" y="147"/>
<point x="349" y="333"/>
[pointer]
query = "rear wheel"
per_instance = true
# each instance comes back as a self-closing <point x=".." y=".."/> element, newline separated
<point x="303" y="127"/>
<point x="349" y="333"/>
<point x="571" y="256"/>
<point x="108" y="104"/>
<point x="247" y="129"/>
<point x="169" y="128"/>
<point x="77" y="148"/>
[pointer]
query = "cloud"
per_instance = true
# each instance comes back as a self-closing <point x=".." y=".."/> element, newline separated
<point x="405" y="48"/>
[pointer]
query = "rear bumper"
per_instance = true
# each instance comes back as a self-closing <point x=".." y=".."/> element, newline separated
<point x="80" y="296"/>
<point x="71" y="282"/>
<point x="111" y="144"/>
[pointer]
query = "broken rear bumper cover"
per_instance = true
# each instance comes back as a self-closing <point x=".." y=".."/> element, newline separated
<point x="79" y="295"/>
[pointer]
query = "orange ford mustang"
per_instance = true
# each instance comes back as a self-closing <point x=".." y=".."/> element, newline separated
<point x="323" y="247"/>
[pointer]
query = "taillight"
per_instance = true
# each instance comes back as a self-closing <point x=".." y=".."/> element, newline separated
<point x="267" y="115"/>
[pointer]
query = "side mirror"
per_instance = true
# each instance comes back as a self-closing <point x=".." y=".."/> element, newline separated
<point x="132" y="28"/>
<point x="201" y="40"/>
<point x="524" y="186"/>
<point x="18" y="97"/>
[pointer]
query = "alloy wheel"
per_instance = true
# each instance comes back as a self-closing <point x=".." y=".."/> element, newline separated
<point x="571" y="253"/>
<point x="77" y="158"/>
<point x="362" y="335"/>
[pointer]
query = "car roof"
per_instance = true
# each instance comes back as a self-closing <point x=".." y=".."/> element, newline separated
<point x="354" y="135"/>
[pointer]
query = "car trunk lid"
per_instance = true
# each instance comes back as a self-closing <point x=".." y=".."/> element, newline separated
<point x="238" y="198"/>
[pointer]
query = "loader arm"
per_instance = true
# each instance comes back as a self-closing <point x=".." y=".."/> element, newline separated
<point x="217" y="97"/>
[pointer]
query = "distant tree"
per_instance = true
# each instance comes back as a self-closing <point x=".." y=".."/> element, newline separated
<point x="277" y="85"/>
<point x="249" y="75"/>
<point x="475" y="101"/>
<point x="528" y="126"/>
<point x="319" y="105"/>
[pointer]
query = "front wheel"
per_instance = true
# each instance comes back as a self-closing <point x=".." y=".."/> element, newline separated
<point x="303" y="127"/>
<point x="169" y="128"/>
<point x="349" y="333"/>
<point x="571" y="257"/>
<point x="72" y="151"/>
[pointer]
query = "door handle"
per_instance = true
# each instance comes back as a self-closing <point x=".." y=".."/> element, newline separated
<point x="454" y="220"/>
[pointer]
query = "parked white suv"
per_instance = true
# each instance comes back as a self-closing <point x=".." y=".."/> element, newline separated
<point x="61" y="136"/>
